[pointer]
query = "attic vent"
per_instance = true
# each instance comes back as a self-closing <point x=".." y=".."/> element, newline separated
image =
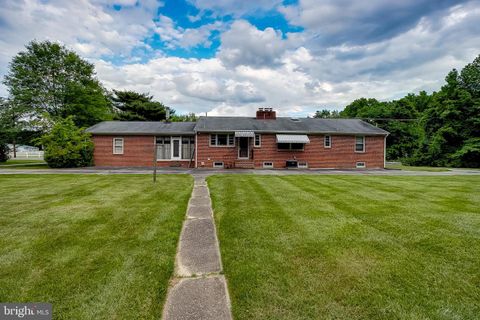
<point x="295" y="119"/>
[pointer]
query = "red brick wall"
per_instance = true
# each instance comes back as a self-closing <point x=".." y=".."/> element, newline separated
<point x="138" y="151"/>
<point x="208" y="155"/>
<point x="340" y="155"/>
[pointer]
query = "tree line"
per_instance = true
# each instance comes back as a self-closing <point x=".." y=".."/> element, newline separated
<point x="437" y="129"/>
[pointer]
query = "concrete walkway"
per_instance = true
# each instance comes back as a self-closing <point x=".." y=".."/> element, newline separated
<point x="199" y="290"/>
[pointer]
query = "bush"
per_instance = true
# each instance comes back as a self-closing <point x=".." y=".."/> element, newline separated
<point x="3" y="152"/>
<point x="67" y="146"/>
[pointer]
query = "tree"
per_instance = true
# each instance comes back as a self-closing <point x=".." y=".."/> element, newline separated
<point x="47" y="78"/>
<point x="134" y="106"/>
<point x="11" y="122"/>
<point x="3" y="150"/>
<point x="67" y="146"/>
<point x="397" y="117"/>
<point x="325" y="114"/>
<point x="190" y="117"/>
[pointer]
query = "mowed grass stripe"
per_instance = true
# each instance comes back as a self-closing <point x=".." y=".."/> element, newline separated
<point x="96" y="247"/>
<point x="350" y="247"/>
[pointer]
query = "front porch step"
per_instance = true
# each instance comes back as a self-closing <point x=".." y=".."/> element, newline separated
<point x="244" y="164"/>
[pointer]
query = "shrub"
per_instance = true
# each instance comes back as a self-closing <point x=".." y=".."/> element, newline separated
<point x="3" y="152"/>
<point x="67" y="146"/>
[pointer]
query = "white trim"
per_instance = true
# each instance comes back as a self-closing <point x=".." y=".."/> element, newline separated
<point x="172" y="148"/>
<point x="113" y="144"/>
<point x="248" y="149"/>
<point x="359" y="166"/>
<point x="384" y="152"/>
<point x="219" y="166"/>
<point x="355" y="144"/>
<point x="302" y="164"/>
<point x="196" y="150"/>
<point x="265" y="166"/>
<point x="325" y="141"/>
<point x="216" y="140"/>
<point x="259" y="140"/>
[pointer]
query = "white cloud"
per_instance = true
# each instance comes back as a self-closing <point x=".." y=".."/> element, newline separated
<point x="235" y="7"/>
<point x="294" y="73"/>
<point x="174" y="36"/>
<point x="244" y="44"/>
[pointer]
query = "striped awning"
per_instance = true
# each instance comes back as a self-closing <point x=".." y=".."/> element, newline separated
<point x="244" y="133"/>
<point x="292" y="138"/>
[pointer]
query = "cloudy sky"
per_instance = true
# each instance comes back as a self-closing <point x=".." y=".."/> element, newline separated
<point x="230" y="57"/>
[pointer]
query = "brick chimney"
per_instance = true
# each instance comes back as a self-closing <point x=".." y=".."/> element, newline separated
<point x="266" y="114"/>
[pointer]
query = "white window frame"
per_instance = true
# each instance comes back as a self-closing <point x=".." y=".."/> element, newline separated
<point x="228" y="145"/>
<point x="359" y="166"/>
<point x="113" y="144"/>
<point x="214" y="164"/>
<point x="329" y="141"/>
<point x="355" y="144"/>
<point x="302" y="164"/>
<point x="179" y="139"/>
<point x="290" y="147"/>
<point x="268" y="164"/>
<point x="259" y="140"/>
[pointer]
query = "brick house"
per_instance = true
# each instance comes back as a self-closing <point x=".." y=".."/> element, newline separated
<point x="264" y="141"/>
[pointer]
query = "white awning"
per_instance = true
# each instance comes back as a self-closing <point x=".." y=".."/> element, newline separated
<point x="244" y="133"/>
<point x="292" y="138"/>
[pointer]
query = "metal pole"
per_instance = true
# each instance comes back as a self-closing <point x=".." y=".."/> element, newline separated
<point x="155" y="160"/>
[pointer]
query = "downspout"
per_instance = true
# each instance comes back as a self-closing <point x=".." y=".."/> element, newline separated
<point x="385" y="151"/>
<point x="196" y="150"/>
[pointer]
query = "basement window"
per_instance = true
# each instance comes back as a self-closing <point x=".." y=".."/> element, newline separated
<point x="218" y="164"/>
<point x="268" y="165"/>
<point x="302" y="165"/>
<point x="117" y="145"/>
<point x="360" y="165"/>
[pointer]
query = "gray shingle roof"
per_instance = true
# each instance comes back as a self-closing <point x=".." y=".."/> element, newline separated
<point x="231" y="124"/>
<point x="287" y="125"/>
<point x="142" y="128"/>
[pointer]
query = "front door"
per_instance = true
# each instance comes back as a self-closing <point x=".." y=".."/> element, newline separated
<point x="176" y="148"/>
<point x="243" y="148"/>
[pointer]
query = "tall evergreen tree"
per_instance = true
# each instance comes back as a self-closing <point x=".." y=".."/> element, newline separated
<point x="134" y="106"/>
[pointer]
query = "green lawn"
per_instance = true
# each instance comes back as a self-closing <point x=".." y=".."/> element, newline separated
<point x="350" y="247"/>
<point x="23" y="164"/>
<point x="414" y="168"/>
<point x="96" y="247"/>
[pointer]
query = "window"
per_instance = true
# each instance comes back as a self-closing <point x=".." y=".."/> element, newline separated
<point x="258" y="140"/>
<point x="188" y="146"/>
<point x="359" y="144"/>
<point x="218" y="164"/>
<point x="222" y="140"/>
<point x="360" y="165"/>
<point x="327" y="141"/>
<point x="117" y="145"/>
<point x="163" y="148"/>
<point x="268" y="165"/>
<point x="290" y="146"/>
<point x="302" y="165"/>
